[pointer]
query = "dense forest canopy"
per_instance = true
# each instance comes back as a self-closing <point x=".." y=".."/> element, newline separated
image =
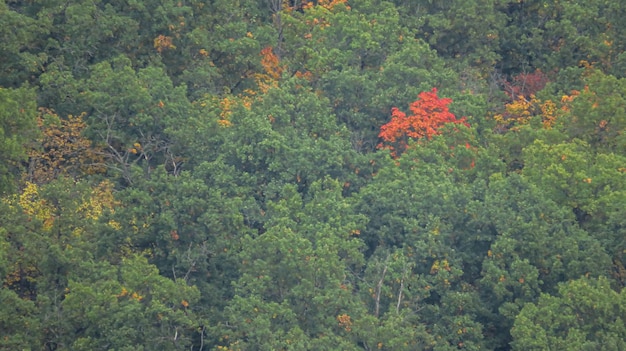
<point x="312" y="175"/>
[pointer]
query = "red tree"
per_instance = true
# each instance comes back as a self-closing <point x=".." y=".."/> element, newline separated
<point x="525" y="84"/>
<point x="428" y="114"/>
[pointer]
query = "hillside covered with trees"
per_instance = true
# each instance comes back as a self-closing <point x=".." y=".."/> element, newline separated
<point x="312" y="175"/>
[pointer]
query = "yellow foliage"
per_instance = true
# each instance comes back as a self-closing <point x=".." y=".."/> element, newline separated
<point x="101" y="198"/>
<point x="435" y="267"/>
<point x="92" y="207"/>
<point x="123" y="293"/>
<point x="77" y="232"/>
<point x="521" y="111"/>
<point x="225" y="111"/>
<point x="226" y="106"/>
<point x="265" y="82"/>
<point x="33" y="205"/>
<point x="549" y="114"/>
<point x="224" y="123"/>
<point x="445" y="265"/>
<point x="136" y="296"/>
<point x="62" y="149"/>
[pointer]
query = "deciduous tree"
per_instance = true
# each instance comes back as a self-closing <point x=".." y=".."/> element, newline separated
<point x="428" y="114"/>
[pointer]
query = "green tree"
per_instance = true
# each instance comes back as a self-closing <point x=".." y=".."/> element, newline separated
<point x="50" y="230"/>
<point x="20" y="42"/>
<point x="17" y="127"/>
<point x="462" y="31"/>
<point x="574" y="176"/>
<point x="586" y="314"/>
<point x="554" y="35"/>
<point x="596" y="115"/>
<point x="19" y="325"/>
<point x="296" y="283"/>
<point x="127" y="306"/>
<point x="132" y="114"/>
<point x="538" y="245"/>
<point x="189" y="226"/>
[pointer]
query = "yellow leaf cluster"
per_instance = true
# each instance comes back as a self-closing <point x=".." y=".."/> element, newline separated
<point x="549" y="114"/>
<point x="61" y="149"/>
<point x="101" y="198"/>
<point x="226" y="105"/>
<point x="35" y="206"/>
<point x="522" y="110"/>
<point x="125" y="292"/>
<point x="566" y="100"/>
<point x="438" y="265"/>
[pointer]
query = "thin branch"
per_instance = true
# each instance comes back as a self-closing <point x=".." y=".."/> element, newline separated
<point x="202" y="338"/>
<point x="401" y="289"/>
<point x="379" y="287"/>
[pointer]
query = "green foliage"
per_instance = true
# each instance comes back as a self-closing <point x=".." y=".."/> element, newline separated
<point x="294" y="285"/>
<point x="17" y="125"/>
<point x="466" y="31"/>
<point x="597" y="114"/>
<point x="128" y="306"/>
<point x="18" y="324"/>
<point x="226" y="192"/>
<point x="585" y="315"/>
<point x="132" y="114"/>
<point x="19" y="57"/>
<point x="571" y="174"/>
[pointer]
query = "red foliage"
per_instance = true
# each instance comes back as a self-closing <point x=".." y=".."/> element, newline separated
<point x="428" y="114"/>
<point x="525" y="84"/>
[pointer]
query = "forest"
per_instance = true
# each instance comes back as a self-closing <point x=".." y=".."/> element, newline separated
<point x="222" y="175"/>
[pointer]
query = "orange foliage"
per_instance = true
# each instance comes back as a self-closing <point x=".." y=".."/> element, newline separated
<point x="345" y="322"/>
<point x="428" y="114"/>
<point x="226" y="105"/>
<point x="327" y="4"/>
<point x="163" y="42"/>
<point x="271" y="63"/>
<point x="273" y="70"/>
<point x="566" y="100"/>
